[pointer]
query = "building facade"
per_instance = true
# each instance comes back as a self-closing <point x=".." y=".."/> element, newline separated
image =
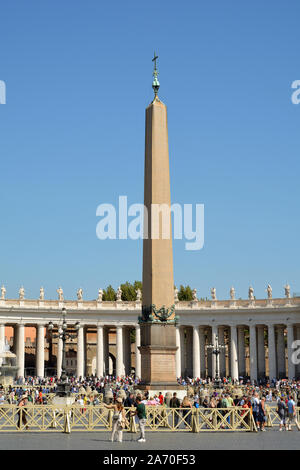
<point x="261" y="337"/>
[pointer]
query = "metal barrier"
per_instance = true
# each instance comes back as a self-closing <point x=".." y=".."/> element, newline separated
<point x="273" y="418"/>
<point x="63" y="418"/>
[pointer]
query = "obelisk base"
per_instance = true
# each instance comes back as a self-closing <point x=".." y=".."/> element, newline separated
<point x="158" y="365"/>
<point x="158" y="355"/>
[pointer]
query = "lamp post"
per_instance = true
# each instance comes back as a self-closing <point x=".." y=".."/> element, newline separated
<point x="63" y="387"/>
<point x="216" y="350"/>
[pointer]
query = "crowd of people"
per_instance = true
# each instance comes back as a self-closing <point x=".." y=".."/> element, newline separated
<point x="113" y="392"/>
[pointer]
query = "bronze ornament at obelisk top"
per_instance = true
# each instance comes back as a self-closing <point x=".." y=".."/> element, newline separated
<point x="158" y="319"/>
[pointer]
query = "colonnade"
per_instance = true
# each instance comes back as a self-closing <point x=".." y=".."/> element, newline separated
<point x="254" y="350"/>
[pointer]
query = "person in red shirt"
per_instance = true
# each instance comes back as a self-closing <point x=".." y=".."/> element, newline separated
<point x="161" y="398"/>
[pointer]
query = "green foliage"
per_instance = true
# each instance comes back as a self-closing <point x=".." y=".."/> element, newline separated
<point x="185" y="293"/>
<point x="109" y="294"/>
<point x="132" y="335"/>
<point x="129" y="290"/>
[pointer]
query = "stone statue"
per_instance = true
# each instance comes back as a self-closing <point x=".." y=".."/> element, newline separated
<point x="287" y="291"/>
<point x="3" y="292"/>
<point x="213" y="293"/>
<point x="79" y="294"/>
<point x="176" y="294"/>
<point x="251" y="293"/>
<point x="42" y="293"/>
<point x="100" y="295"/>
<point x="232" y="293"/>
<point x="22" y="293"/>
<point x="119" y="294"/>
<point x="60" y="294"/>
<point x="269" y="291"/>
<point x="138" y="295"/>
<point x="194" y="294"/>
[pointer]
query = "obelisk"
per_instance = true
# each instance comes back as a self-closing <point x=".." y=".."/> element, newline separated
<point x="158" y="333"/>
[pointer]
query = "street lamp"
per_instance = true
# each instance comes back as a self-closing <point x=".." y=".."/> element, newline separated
<point x="216" y="350"/>
<point x="63" y="387"/>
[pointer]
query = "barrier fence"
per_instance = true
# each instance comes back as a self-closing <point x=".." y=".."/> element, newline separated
<point x="91" y="418"/>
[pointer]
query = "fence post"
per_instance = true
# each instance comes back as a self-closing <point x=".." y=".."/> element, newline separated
<point x="269" y="421"/>
<point x="194" y="421"/>
<point x="132" y="427"/>
<point x="67" y="427"/>
<point x="253" y="427"/>
<point x="214" y="418"/>
<point x="110" y="415"/>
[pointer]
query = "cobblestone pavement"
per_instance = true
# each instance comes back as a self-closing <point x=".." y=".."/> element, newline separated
<point x="272" y="439"/>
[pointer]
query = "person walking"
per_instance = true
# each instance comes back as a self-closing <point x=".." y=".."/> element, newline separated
<point x="140" y="412"/>
<point x="261" y="417"/>
<point x="291" y="412"/>
<point x="281" y="410"/>
<point x="119" y="419"/>
<point x="255" y="407"/>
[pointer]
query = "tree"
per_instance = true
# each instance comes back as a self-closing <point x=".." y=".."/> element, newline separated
<point x="129" y="290"/>
<point x="109" y="294"/>
<point x="185" y="293"/>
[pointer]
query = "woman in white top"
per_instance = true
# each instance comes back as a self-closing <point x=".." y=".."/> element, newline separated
<point x="119" y="419"/>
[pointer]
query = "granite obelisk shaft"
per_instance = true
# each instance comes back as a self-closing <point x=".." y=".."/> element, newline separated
<point x="158" y="338"/>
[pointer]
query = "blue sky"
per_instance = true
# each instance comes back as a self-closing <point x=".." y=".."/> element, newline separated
<point x="78" y="77"/>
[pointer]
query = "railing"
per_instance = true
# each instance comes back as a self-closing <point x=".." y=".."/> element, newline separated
<point x="67" y="418"/>
<point x="273" y="418"/>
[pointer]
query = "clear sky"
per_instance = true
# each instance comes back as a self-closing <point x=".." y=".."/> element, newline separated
<point x="78" y="77"/>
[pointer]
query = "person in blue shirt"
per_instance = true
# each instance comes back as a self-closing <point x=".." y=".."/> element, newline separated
<point x="291" y="412"/>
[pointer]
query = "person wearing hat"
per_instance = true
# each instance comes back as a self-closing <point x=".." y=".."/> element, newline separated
<point x="22" y="412"/>
<point x="119" y="420"/>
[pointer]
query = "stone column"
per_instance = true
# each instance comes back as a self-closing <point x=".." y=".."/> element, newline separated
<point x="126" y="350"/>
<point x="137" y="351"/>
<point x="15" y="339"/>
<point x="253" y="353"/>
<point x="234" y="353"/>
<point x="189" y="351"/>
<point x="196" y="352"/>
<point x="261" y="351"/>
<point x="298" y="365"/>
<point x="80" y="352"/>
<point x="100" y="355"/>
<point x="20" y="350"/>
<point x="106" y="350"/>
<point x="214" y="332"/>
<point x="271" y="352"/>
<point x="209" y="353"/>
<point x="290" y="340"/>
<point x="202" y="352"/>
<point x="241" y="350"/>
<point x="222" y="352"/>
<point x="40" y="350"/>
<point x="59" y="357"/>
<point x="281" y="353"/>
<point x="182" y="344"/>
<point x="119" y="358"/>
<point x="178" y="352"/>
<point x="2" y="340"/>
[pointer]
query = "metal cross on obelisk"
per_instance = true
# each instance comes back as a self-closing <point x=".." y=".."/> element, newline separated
<point x="155" y="83"/>
<point x="216" y="350"/>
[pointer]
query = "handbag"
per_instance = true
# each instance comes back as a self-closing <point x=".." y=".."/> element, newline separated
<point x="121" y="423"/>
